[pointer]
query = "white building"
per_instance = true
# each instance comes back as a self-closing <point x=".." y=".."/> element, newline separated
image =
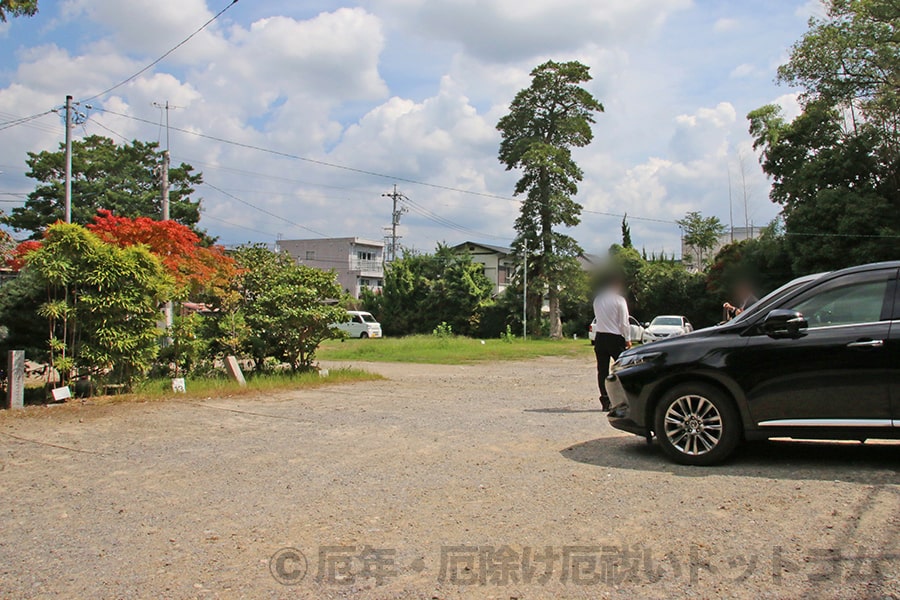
<point x="499" y="262"/>
<point x="357" y="263"/>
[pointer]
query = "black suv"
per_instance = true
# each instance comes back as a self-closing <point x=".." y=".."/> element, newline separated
<point x="817" y="358"/>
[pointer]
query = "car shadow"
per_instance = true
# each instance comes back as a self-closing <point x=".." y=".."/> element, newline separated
<point x="562" y="410"/>
<point x="789" y="459"/>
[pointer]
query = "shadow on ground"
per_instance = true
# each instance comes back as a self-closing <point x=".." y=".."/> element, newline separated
<point x="562" y="410"/>
<point x="802" y="460"/>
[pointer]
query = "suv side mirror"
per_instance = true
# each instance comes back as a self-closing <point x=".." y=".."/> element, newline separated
<point x="647" y="324"/>
<point x="782" y="323"/>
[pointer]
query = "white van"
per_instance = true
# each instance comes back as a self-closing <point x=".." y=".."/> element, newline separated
<point x="361" y="325"/>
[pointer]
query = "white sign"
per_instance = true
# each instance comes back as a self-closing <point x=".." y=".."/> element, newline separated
<point x="178" y="385"/>
<point x="62" y="393"/>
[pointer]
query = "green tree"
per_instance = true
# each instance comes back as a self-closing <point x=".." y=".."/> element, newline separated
<point x="851" y="58"/>
<point x="663" y="288"/>
<point x="545" y="121"/>
<point x="286" y="306"/>
<point x="701" y="233"/>
<point x="102" y="303"/>
<point x="17" y="8"/>
<point x="421" y="291"/>
<point x="120" y="178"/>
<point x="765" y="262"/>
<point x="836" y="167"/>
<point x="626" y="233"/>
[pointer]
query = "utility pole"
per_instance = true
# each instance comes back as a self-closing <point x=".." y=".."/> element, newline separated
<point x="525" y="293"/>
<point x="164" y="201"/>
<point x="68" y="185"/>
<point x="396" y="213"/>
<point x="165" y="185"/>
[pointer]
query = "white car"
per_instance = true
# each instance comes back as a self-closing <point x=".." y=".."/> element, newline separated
<point x="361" y="325"/>
<point x="635" y="330"/>
<point x="666" y="326"/>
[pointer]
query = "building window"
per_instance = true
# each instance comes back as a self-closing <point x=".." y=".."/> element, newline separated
<point x="310" y="255"/>
<point x="365" y="255"/>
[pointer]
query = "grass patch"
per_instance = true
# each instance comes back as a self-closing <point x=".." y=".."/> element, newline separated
<point x="429" y="349"/>
<point x="206" y="387"/>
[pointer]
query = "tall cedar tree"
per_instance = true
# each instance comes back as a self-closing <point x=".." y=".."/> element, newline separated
<point x="123" y="179"/>
<point x="546" y="120"/>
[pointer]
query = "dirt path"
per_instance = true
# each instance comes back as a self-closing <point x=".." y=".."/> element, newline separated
<point x="493" y="481"/>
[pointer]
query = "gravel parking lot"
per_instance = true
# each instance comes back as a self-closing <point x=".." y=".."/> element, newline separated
<point x="484" y="481"/>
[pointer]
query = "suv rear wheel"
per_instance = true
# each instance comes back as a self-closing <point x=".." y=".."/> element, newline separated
<point x="697" y="424"/>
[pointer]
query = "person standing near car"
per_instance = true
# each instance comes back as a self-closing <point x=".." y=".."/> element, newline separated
<point x="746" y="299"/>
<point x="611" y="312"/>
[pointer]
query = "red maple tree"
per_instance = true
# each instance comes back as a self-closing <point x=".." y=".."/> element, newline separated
<point x="195" y="267"/>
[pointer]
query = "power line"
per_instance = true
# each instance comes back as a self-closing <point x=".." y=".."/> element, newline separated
<point x="365" y="171"/>
<point x="263" y="210"/>
<point x="316" y="161"/>
<point x="23" y="120"/>
<point x="161" y="58"/>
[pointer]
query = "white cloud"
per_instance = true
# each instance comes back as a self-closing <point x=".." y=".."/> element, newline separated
<point x="349" y="86"/>
<point x="725" y="24"/>
<point x="790" y="105"/>
<point x="509" y="30"/>
<point x="812" y="8"/>
<point x="744" y="70"/>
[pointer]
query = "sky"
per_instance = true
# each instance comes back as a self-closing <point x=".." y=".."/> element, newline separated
<point x="319" y="107"/>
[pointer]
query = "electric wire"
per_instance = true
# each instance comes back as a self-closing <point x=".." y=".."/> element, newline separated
<point x="163" y="57"/>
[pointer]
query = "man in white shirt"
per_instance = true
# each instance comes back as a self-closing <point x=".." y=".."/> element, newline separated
<point x="611" y="328"/>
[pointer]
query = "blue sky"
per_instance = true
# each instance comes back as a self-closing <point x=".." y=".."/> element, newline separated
<point x="412" y="89"/>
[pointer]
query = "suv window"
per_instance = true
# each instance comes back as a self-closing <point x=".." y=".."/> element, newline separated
<point x="855" y="303"/>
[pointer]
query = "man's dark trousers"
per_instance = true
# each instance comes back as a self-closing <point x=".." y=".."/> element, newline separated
<point x="606" y="346"/>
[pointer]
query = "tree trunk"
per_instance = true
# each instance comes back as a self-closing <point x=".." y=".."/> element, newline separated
<point x="555" y="322"/>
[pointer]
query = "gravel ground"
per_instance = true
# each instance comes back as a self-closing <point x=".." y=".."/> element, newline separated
<point x="486" y="481"/>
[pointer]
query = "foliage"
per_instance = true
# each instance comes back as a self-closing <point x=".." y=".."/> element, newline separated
<point x="836" y="167"/>
<point x="764" y="263"/>
<point x="285" y="306"/>
<point x="17" y="8"/>
<point x="701" y="233"/>
<point x="26" y="330"/>
<point x="443" y="331"/>
<point x="222" y="386"/>
<point x="546" y="120"/>
<point x="187" y="348"/>
<point x="423" y="290"/>
<point x="200" y="271"/>
<point x="508" y="336"/>
<point x="101" y="305"/>
<point x="122" y="179"/>
<point x="626" y="233"/>
<point x="670" y="289"/>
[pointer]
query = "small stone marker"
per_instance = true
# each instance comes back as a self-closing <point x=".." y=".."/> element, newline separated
<point x="178" y="385"/>
<point x="61" y="394"/>
<point x="234" y="369"/>
<point x="15" y="394"/>
<point x="323" y="372"/>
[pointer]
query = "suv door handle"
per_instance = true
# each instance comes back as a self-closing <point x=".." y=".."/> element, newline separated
<point x="866" y="344"/>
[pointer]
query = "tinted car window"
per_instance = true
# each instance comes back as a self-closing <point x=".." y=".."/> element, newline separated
<point x="855" y="303"/>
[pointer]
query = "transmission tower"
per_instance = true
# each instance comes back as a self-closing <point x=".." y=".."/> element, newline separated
<point x="391" y="238"/>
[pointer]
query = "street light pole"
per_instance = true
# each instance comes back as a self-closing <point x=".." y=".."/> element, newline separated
<point x="525" y="294"/>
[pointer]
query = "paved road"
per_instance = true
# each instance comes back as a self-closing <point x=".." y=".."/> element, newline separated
<point x="489" y="481"/>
